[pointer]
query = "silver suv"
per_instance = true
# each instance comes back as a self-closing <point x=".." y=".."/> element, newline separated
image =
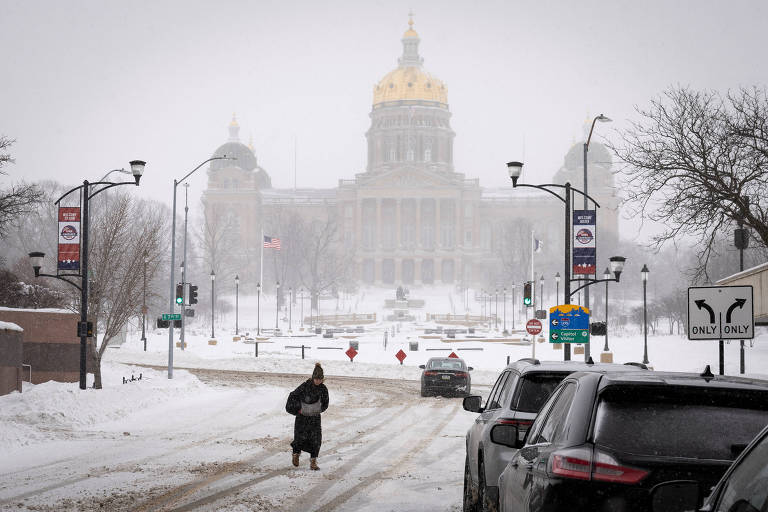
<point x="515" y="399"/>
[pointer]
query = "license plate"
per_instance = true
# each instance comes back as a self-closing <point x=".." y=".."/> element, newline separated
<point x="446" y="377"/>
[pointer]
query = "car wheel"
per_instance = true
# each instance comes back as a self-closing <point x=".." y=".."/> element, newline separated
<point x="423" y="392"/>
<point x="483" y="502"/>
<point x="470" y="497"/>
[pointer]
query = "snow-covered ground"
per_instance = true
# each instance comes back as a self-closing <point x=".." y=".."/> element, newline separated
<point x="219" y="442"/>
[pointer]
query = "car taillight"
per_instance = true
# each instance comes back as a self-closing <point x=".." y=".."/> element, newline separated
<point x="461" y="374"/>
<point x="579" y="463"/>
<point x="430" y="373"/>
<point x="509" y="421"/>
<point x="607" y="469"/>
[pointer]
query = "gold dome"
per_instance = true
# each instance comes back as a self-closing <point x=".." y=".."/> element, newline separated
<point x="409" y="81"/>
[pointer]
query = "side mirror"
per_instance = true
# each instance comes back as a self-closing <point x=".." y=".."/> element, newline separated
<point x="676" y="496"/>
<point x="507" y="435"/>
<point x="472" y="403"/>
<point x="469" y="368"/>
<point x="422" y="366"/>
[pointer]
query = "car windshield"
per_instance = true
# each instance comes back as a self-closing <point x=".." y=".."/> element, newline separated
<point x="446" y="364"/>
<point x="535" y="389"/>
<point x="713" y="424"/>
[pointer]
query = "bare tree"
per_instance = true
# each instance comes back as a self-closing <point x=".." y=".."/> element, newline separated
<point x="698" y="163"/>
<point x="18" y="199"/>
<point x="124" y="231"/>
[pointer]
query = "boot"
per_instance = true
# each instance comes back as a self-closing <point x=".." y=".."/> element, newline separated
<point x="313" y="464"/>
<point x="296" y="459"/>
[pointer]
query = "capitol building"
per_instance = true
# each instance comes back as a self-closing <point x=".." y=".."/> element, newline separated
<point x="410" y="217"/>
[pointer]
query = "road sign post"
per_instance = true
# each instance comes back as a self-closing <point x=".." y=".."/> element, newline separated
<point x="721" y="313"/>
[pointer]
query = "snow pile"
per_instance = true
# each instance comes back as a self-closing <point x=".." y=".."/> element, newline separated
<point x="49" y="410"/>
<point x="8" y="326"/>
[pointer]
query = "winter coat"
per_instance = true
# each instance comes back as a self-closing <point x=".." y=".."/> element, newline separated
<point x="307" y="430"/>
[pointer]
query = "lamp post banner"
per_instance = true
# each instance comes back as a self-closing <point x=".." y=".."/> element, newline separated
<point x="584" y="242"/>
<point x="69" y="238"/>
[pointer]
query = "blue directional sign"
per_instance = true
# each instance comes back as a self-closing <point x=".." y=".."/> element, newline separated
<point x="568" y="323"/>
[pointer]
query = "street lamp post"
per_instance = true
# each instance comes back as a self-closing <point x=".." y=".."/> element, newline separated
<point x="144" y="305"/>
<point x="557" y="287"/>
<point x="290" y="308"/>
<point x="183" y="274"/>
<point x="504" y="307"/>
<point x="258" y="309"/>
<point x="514" y="306"/>
<point x="36" y="258"/>
<point x="213" y="279"/>
<point x="541" y="301"/>
<point x="172" y="304"/>
<point x="277" y="305"/>
<point x="602" y="119"/>
<point x="644" y="273"/>
<point x="237" y="304"/>
<point x="301" y="298"/>
<point x="606" y="277"/>
<point x="496" y="311"/>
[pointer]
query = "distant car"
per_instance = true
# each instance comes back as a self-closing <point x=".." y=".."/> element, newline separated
<point x="445" y="375"/>
<point x="604" y="441"/>
<point x="515" y="399"/>
<point x="743" y="488"/>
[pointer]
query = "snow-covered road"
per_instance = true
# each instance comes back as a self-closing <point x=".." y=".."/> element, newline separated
<point x="225" y="446"/>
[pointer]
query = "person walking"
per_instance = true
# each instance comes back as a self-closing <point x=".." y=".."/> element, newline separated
<point x="307" y="402"/>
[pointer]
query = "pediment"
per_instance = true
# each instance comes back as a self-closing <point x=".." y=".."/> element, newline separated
<point x="408" y="178"/>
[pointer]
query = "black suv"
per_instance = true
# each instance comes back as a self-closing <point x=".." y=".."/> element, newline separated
<point x="519" y="392"/>
<point x="604" y="441"/>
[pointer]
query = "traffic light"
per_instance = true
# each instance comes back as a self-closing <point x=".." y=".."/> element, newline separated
<point x="527" y="296"/>
<point x="179" y="294"/>
<point x="192" y="294"/>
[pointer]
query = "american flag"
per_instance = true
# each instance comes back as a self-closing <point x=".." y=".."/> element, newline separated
<point x="271" y="242"/>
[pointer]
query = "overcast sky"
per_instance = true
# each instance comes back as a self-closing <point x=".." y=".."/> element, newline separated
<point x="88" y="86"/>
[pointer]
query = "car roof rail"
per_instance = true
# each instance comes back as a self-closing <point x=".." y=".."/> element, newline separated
<point x="529" y="360"/>
<point x="639" y="365"/>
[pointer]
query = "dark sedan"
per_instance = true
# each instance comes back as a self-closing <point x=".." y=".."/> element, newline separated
<point x="604" y="441"/>
<point x="445" y="376"/>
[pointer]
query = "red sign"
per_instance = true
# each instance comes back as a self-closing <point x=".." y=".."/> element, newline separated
<point x="453" y="354"/>
<point x="351" y="353"/>
<point x="400" y="356"/>
<point x="533" y="326"/>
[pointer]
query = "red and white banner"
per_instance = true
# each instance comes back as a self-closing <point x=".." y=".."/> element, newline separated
<point x="69" y="238"/>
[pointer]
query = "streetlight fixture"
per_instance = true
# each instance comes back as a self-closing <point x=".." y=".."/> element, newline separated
<point x="144" y="305"/>
<point x="258" y="309"/>
<point x="277" y="305"/>
<point x="172" y="305"/>
<point x="606" y="278"/>
<point x="36" y="258"/>
<point x="213" y="279"/>
<point x="237" y="303"/>
<point x="514" y="169"/>
<point x="644" y="274"/>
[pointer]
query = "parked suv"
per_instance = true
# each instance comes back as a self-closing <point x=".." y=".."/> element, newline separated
<point x="519" y="392"/>
<point x="605" y="441"/>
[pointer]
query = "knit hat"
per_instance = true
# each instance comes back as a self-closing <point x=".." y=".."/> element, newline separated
<point x="317" y="373"/>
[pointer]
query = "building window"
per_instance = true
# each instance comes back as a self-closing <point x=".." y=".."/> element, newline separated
<point x="427" y="271"/>
<point x="428" y="155"/>
<point x="388" y="271"/>
<point x="447" y="272"/>
<point x="407" y="270"/>
<point x="369" y="271"/>
<point x="409" y="155"/>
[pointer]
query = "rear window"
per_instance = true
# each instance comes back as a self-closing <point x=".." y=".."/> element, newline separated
<point x="534" y="390"/>
<point x="678" y="422"/>
<point x="446" y="364"/>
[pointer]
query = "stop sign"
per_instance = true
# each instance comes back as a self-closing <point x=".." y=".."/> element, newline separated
<point x="533" y="326"/>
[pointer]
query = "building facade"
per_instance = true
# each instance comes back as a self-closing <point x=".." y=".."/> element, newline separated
<point x="410" y="217"/>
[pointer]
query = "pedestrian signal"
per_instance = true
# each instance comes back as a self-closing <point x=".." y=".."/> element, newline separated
<point x="527" y="293"/>
<point x="192" y="294"/>
<point x="179" y="294"/>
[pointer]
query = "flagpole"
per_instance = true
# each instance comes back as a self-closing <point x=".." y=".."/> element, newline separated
<point x="261" y="275"/>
